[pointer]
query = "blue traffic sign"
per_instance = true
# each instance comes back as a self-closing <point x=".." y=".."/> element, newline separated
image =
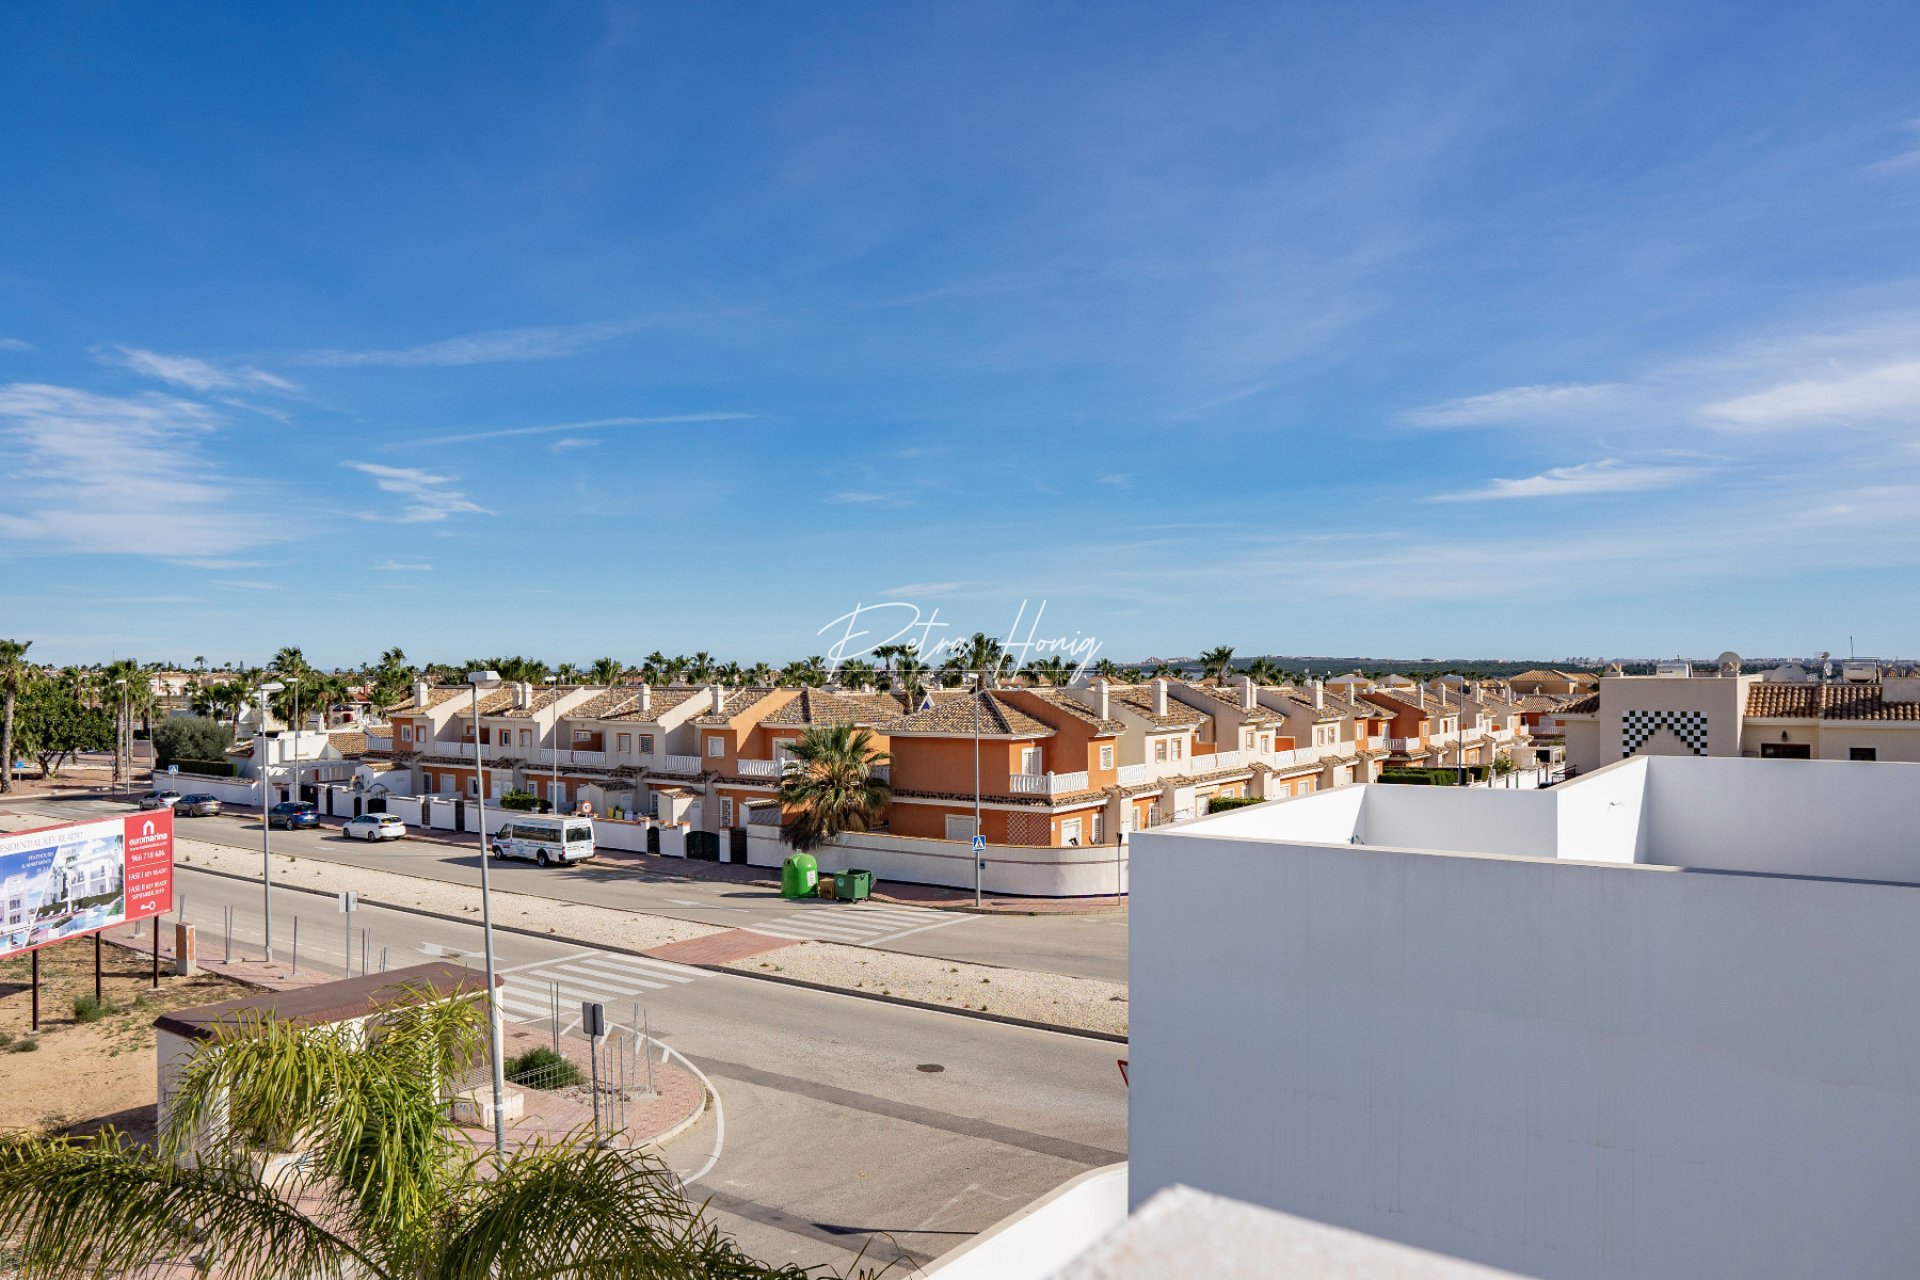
<point x="979" y="844"/>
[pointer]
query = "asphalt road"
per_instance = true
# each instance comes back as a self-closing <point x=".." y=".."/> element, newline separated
<point x="1093" y="945"/>
<point x="835" y="1130"/>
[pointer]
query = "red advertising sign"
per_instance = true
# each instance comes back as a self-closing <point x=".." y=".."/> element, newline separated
<point x="81" y="877"/>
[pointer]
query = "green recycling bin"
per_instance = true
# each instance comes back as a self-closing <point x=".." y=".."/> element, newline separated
<point x="798" y="875"/>
<point x="852" y="885"/>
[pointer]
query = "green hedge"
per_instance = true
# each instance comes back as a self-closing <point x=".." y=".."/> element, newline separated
<point x="1219" y="804"/>
<point x="524" y="802"/>
<point x="1420" y="777"/>
<point x="209" y="768"/>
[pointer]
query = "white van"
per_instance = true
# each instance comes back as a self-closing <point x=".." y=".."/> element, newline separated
<point x="545" y="837"/>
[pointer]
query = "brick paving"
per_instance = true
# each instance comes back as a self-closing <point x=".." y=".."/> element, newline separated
<point x="720" y="948"/>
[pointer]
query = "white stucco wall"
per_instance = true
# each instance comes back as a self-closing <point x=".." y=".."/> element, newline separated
<point x="1576" y="1071"/>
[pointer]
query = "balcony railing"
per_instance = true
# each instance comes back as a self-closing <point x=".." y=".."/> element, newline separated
<point x="760" y="768"/>
<point x="563" y="757"/>
<point x="676" y="764"/>
<point x="1132" y="775"/>
<point x="1047" y="784"/>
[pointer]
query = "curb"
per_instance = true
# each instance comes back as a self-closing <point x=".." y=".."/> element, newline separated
<point x="977" y="1014"/>
<point x="667" y="1135"/>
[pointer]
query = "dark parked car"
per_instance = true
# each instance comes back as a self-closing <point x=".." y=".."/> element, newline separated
<point x="200" y="805"/>
<point x="293" y="813"/>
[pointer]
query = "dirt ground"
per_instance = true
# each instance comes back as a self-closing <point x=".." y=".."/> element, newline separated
<point x="81" y="1075"/>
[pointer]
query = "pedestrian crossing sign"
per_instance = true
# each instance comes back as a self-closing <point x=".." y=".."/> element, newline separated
<point x="979" y="844"/>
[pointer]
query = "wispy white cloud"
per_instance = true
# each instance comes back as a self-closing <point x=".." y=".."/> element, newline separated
<point x="1907" y="158"/>
<point x="128" y="475"/>
<point x="865" y="498"/>
<point x="1880" y="392"/>
<point x="921" y="589"/>
<point x="190" y="372"/>
<point x="427" y="496"/>
<point x="1119" y="480"/>
<point x="214" y="564"/>
<point x="1514" y="406"/>
<point x="247" y="584"/>
<point x="490" y="347"/>
<point x="1604" y="476"/>
<point x="403" y="566"/>
<point x="16" y="344"/>
<point x="592" y="424"/>
<point x="575" y="442"/>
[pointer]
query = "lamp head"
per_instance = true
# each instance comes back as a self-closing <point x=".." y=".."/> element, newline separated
<point x="271" y="686"/>
<point x="483" y="679"/>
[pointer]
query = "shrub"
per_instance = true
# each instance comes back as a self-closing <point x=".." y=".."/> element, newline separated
<point x="524" y="802"/>
<point x="24" y="1046"/>
<point x="1445" y="777"/>
<point x="1220" y="804"/>
<point x="90" y="1008"/>
<point x="182" y="738"/>
<point x="542" y="1068"/>
<point x="210" y="768"/>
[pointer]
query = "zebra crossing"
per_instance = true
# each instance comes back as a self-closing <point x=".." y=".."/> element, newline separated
<point x="865" y="924"/>
<point x="603" y="976"/>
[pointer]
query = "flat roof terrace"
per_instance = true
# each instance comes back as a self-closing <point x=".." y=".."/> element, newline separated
<point x="1813" y="818"/>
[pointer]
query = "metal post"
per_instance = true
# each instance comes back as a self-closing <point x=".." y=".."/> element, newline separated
<point x="383" y="959"/>
<point x="593" y="1061"/>
<point x="496" y="1036"/>
<point x="553" y="999"/>
<point x="346" y="957"/>
<point x="36" y="990"/>
<point x="229" y="920"/>
<point x="366" y="949"/>
<point x="646" y="1047"/>
<point x="296" y="946"/>
<point x="266" y="824"/>
<point x="978" y="680"/>
<point x="156" y="953"/>
<point x="96" y="968"/>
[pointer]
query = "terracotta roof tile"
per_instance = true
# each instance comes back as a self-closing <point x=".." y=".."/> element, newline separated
<point x="1079" y="710"/>
<point x="821" y="706"/>
<point x="1138" y="700"/>
<point x="660" y="701"/>
<point x="732" y="703"/>
<point x="1230" y="696"/>
<point x="998" y="718"/>
<point x="1826" y="702"/>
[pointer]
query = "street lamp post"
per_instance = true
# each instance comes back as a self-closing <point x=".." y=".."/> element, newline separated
<point x="261" y="752"/>
<point x="479" y="680"/>
<point x="979" y="681"/>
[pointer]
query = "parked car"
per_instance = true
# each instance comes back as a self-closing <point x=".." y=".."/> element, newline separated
<point x="199" y="805"/>
<point x="293" y="813"/>
<point x="546" y="838"/>
<point x="159" y="799"/>
<point x="374" y="826"/>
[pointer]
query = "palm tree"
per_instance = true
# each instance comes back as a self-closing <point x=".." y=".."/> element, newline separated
<point x="652" y="666"/>
<point x="985" y="655"/>
<point x="606" y="671"/>
<point x="1047" y="670"/>
<point x="730" y="674"/>
<point x="391" y="1190"/>
<point x="700" y="668"/>
<point x="1216" y="663"/>
<point x="565" y="673"/>
<point x="1266" y="671"/>
<point x="13" y="662"/>
<point x="855" y="674"/>
<point x="828" y="785"/>
<point x="760" y="674"/>
<point x="805" y="673"/>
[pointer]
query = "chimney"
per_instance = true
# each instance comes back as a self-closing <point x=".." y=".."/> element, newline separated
<point x="1246" y="693"/>
<point x="522" y="695"/>
<point x="646" y="698"/>
<point x="719" y="697"/>
<point x="1102" y="699"/>
<point x="1160" y="696"/>
<point x="1319" y="695"/>
<point x="420" y="692"/>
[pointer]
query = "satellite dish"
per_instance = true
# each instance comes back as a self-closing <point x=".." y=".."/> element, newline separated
<point x="1730" y="663"/>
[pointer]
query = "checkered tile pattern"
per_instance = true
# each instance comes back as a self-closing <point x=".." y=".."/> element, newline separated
<point x="1637" y="726"/>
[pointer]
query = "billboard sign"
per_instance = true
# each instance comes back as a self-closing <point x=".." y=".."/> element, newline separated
<point x="67" y="881"/>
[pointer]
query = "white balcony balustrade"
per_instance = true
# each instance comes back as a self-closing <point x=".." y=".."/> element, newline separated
<point x="760" y="768"/>
<point x="1048" y="784"/>
<point x="676" y="764"/>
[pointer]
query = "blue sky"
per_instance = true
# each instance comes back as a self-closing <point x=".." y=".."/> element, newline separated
<point x="572" y="330"/>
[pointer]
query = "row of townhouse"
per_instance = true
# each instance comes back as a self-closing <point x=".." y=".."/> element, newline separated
<point x="1054" y="766"/>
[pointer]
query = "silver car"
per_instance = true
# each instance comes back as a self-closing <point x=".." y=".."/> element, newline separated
<point x="200" y="805"/>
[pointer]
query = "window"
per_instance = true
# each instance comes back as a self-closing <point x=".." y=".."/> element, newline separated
<point x="1266" y="743"/>
<point x="1099" y="827"/>
<point x="582" y="735"/>
<point x="624" y="742"/>
<point x="646" y="744"/>
<point x="726" y="811"/>
<point x="1246" y="739"/>
<point x="716" y="746"/>
<point x="526" y="737"/>
<point x="1106" y="756"/>
<point x="1160" y="749"/>
<point x="406" y="733"/>
<point x="1176" y="747"/>
<point x="1030" y="760"/>
<point x="1070" y="833"/>
<point x="959" y="827"/>
<point x="1863" y="753"/>
<point x="1785" y="751"/>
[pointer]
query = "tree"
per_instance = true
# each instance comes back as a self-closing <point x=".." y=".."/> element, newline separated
<point x="985" y="655"/>
<point x="391" y="678"/>
<point x="1217" y="663"/>
<point x="805" y="673"/>
<point x="13" y="670"/>
<point x="828" y="785"/>
<point x="1266" y="671"/>
<point x="605" y="671"/>
<point x="1053" y="670"/>
<point x="190" y="738"/>
<point x="57" y="718"/>
<point x="391" y="1189"/>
